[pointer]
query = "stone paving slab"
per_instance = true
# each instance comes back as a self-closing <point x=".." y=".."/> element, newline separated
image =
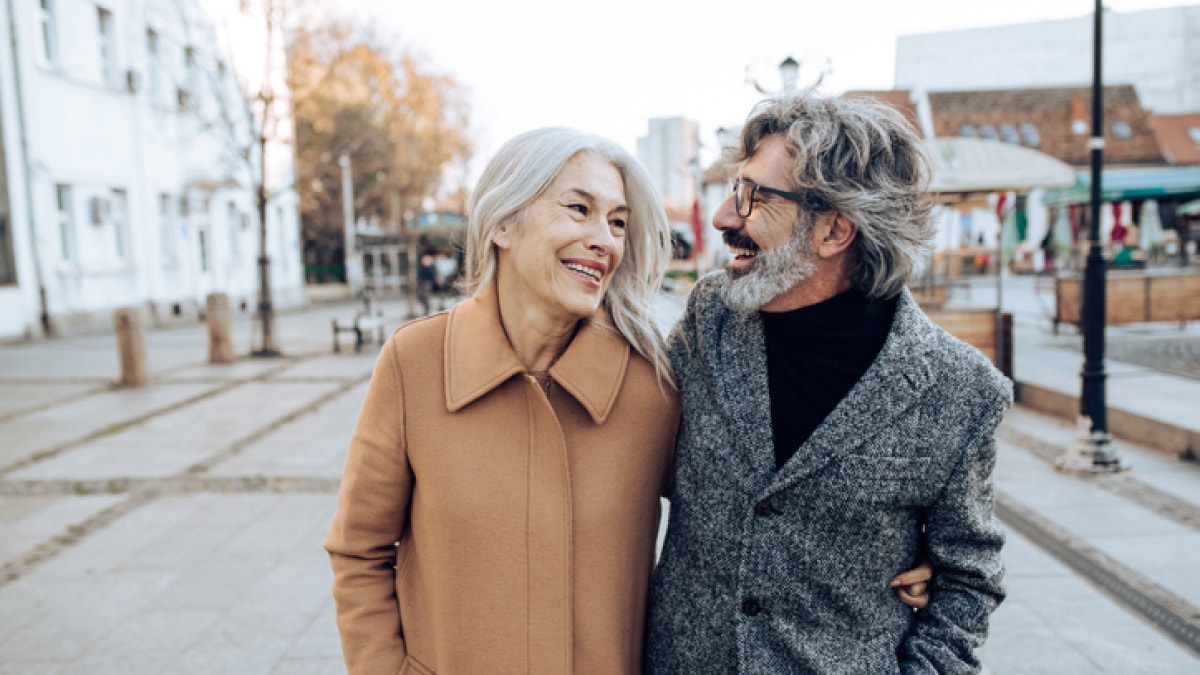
<point x="246" y="588"/>
<point x="1157" y="549"/>
<point x="46" y="429"/>
<point x="169" y="444"/>
<point x="25" y="520"/>
<point x="19" y="397"/>
<point x="1053" y="623"/>
<point x="315" y="445"/>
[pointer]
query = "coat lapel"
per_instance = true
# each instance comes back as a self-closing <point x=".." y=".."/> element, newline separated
<point x="893" y="383"/>
<point x="745" y="395"/>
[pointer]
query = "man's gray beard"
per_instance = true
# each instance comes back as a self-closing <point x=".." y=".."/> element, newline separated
<point x="773" y="273"/>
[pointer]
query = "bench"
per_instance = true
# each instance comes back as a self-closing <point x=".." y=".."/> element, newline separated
<point x="365" y="326"/>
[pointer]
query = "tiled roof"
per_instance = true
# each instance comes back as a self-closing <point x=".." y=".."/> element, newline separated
<point x="1178" y="137"/>
<point x="901" y="99"/>
<point x="1055" y="120"/>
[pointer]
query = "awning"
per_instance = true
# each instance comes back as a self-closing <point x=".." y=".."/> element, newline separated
<point x="964" y="168"/>
<point x="1119" y="185"/>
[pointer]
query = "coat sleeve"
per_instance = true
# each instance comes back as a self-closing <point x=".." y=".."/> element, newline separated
<point x="964" y="540"/>
<point x="371" y="514"/>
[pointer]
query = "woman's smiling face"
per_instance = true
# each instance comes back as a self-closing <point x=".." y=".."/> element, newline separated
<point x="563" y="254"/>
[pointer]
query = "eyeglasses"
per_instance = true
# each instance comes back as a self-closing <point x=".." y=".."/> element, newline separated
<point x="744" y="191"/>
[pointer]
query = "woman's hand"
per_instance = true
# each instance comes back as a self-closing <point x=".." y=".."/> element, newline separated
<point x="912" y="587"/>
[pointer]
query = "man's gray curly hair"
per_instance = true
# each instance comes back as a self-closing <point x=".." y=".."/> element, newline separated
<point x="861" y="158"/>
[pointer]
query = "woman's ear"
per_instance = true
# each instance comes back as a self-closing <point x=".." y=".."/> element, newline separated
<point x="502" y="237"/>
<point x="834" y="234"/>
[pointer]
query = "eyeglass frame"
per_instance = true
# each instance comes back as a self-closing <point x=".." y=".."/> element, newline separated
<point x="808" y="200"/>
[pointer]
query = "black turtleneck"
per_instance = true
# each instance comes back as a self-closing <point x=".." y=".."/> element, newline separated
<point x="815" y="355"/>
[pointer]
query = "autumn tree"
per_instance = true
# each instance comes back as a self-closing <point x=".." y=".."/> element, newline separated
<point x="401" y="125"/>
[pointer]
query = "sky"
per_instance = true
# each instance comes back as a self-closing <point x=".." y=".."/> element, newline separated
<point x="608" y="67"/>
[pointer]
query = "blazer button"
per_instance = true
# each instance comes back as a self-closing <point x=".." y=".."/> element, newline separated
<point x="751" y="607"/>
<point x="765" y="508"/>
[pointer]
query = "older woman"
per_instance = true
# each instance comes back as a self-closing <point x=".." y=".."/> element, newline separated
<point x="500" y="503"/>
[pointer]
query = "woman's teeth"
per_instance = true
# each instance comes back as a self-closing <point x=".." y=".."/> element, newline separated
<point x="586" y="271"/>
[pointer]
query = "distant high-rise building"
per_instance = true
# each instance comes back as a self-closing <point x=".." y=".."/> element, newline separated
<point x="670" y="151"/>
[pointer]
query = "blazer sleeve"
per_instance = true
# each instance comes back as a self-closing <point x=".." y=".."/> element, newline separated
<point x="964" y="540"/>
<point x="371" y="513"/>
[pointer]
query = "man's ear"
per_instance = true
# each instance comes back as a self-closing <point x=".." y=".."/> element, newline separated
<point x="833" y="234"/>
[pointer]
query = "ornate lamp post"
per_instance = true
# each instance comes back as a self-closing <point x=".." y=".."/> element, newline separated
<point x="1093" y="451"/>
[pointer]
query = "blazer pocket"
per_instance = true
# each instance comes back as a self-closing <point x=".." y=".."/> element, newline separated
<point x="886" y="479"/>
<point x="411" y="666"/>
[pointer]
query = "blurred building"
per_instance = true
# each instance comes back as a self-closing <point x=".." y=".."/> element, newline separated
<point x="670" y="151"/>
<point x="1157" y="51"/>
<point x="129" y="161"/>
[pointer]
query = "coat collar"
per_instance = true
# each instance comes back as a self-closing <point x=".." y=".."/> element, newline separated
<point x="479" y="358"/>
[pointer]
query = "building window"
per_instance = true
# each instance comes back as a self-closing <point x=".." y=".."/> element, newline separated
<point x="120" y="211"/>
<point x="65" y="208"/>
<point x="1079" y="127"/>
<point x="1008" y="133"/>
<point x="108" y="47"/>
<point x="967" y="131"/>
<point x="1194" y="134"/>
<point x="153" y="69"/>
<point x="166" y="227"/>
<point x="1030" y="135"/>
<point x="1121" y="130"/>
<point x="988" y="132"/>
<point x="47" y="32"/>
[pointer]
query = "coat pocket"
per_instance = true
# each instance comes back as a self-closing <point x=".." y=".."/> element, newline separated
<point x="411" y="666"/>
<point x="886" y="479"/>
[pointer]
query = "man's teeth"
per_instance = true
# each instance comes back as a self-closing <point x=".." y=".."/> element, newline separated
<point x="739" y="252"/>
<point x="586" y="271"/>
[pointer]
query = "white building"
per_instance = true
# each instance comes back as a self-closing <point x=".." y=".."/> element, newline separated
<point x="128" y="156"/>
<point x="1158" y="51"/>
<point x="670" y="151"/>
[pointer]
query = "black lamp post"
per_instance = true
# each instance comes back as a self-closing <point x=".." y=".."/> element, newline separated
<point x="1094" y="452"/>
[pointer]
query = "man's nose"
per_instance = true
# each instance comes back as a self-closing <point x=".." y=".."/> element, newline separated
<point x="726" y="217"/>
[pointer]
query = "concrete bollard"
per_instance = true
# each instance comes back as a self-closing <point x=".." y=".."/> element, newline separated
<point x="219" y="317"/>
<point x="131" y="344"/>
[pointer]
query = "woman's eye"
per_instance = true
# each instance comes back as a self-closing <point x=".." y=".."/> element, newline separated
<point x="618" y="223"/>
<point x="581" y="208"/>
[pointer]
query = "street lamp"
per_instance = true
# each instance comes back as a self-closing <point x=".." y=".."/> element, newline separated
<point x="789" y="71"/>
<point x="1092" y="451"/>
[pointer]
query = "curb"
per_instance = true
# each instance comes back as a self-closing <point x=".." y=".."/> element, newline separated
<point x="1166" y="438"/>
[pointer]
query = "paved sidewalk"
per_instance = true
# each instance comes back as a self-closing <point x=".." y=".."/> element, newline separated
<point x="178" y="528"/>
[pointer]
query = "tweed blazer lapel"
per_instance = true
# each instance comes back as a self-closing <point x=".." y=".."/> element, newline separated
<point x="745" y="396"/>
<point x="892" y="384"/>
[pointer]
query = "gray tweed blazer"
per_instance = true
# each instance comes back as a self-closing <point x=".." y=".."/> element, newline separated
<point x="787" y="571"/>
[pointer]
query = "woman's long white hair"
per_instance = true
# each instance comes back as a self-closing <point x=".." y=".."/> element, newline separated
<point x="517" y="175"/>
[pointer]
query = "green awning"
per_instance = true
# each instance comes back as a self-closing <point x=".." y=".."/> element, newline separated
<point x="1119" y="185"/>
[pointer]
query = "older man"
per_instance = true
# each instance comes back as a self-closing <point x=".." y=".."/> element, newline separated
<point x="832" y="435"/>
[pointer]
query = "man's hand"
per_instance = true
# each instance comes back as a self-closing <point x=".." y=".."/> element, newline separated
<point x="912" y="587"/>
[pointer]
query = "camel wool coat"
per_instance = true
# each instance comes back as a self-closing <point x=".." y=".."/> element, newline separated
<point x="489" y="524"/>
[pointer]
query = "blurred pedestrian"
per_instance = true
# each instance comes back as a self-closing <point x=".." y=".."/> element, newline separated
<point x="426" y="281"/>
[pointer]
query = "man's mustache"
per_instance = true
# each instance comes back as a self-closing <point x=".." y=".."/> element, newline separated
<point x="738" y="240"/>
